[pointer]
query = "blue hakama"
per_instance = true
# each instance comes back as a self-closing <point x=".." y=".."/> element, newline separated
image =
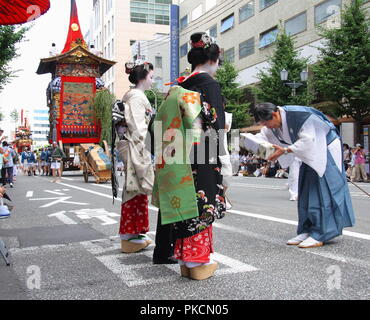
<point x="324" y="204"/>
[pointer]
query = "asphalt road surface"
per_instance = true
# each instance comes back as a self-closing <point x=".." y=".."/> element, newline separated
<point x="63" y="244"/>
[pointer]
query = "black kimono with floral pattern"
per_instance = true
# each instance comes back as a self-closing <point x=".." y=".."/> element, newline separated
<point x="206" y="174"/>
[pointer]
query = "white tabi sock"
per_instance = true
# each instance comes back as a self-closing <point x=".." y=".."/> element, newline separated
<point x="193" y="264"/>
<point x="127" y="236"/>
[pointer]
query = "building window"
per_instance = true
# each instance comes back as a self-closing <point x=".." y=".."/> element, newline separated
<point x="184" y="22"/>
<point x="210" y="4"/>
<point x="158" y="62"/>
<point x="41" y="118"/>
<point x="153" y="12"/>
<point x="162" y="19"/>
<point x="296" y="24"/>
<point x="196" y="13"/>
<point x="266" y="3"/>
<point x="139" y="17"/>
<point x="246" y="11"/>
<point x="326" y="9"/>
<point x="213" y="31"/>
<point x="227" y="23"/>
<point x="184" y="50"/>
<point x="229" y="55"/>
<point x="246" y="48"/>
<point x="268" y="37"/>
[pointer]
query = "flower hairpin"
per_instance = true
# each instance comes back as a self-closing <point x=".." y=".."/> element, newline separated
<point x="204" y="42"/>
<point x="129" y="66"/>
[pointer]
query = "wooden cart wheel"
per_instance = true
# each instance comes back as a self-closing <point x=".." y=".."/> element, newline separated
<point x="86" y="174"/>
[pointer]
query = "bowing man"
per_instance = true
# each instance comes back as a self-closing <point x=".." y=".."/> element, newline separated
<point x="324" y="203"/>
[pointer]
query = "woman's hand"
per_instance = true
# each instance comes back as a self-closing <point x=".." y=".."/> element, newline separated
<point x="279" y="151"/>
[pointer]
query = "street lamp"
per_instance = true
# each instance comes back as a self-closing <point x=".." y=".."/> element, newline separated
<point x="294" y="85"/>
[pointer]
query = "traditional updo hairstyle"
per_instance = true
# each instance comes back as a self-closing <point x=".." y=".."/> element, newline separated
<point x="139" y="72"/>
<point x="202" y="51"/>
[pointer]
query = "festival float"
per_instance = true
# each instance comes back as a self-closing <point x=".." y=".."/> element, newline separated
<point x="23" y="135"/>
<point x="76" y="78"/>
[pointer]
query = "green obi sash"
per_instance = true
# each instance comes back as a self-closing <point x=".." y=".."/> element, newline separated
<point x="175" y="132"/>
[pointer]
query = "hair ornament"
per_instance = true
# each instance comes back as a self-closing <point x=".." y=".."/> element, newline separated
<point x="204" y="42"/>
<point x="130" y="66"/>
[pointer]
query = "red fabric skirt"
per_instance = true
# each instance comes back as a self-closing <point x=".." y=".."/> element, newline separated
<point x="197" y="248"/>
<point x="135" y="216"/>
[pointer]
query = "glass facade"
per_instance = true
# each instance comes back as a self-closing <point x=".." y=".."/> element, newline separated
<point x="150" y="11"/>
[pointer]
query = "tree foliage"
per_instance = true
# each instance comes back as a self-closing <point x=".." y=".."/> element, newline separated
<point x="235" y="104"/>
<point x="154" y="95"/>
<point x="271" y="88"/>
<point x="342" y="73"/>
<point x="9" y="37"/>
<point x="14" y="115"/>
<point x="103" y="110"/>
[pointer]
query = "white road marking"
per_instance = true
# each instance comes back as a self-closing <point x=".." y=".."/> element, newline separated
<point x="55" y="192"/>
<point x="264" y="217"/>
<point x="90" y="191"/>
<point x="243" y="213"/>
<point x="101" y="214"/>
<point x="62" y="217"/>
<point x="318" y="252"/>
<point x="29" y="194"/>
<point x="106" y="187"/>
<point x="119" y="264"/>
<point x="359" y="194"/>
<point x="257" y="186"/>
<point x="58" y="200"/>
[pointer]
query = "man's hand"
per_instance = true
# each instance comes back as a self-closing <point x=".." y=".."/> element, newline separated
<point x="279" y="151"/>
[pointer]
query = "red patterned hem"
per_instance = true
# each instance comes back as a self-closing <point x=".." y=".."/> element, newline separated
<point x="197" y="248"/>
<point x="135" y="216"/>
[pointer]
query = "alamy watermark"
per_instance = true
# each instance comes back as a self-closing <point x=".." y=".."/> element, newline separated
<point x="34" y="279"/>
<point x="334" y="281"/>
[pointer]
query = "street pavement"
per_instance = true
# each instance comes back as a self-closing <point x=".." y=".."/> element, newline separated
<point x="63" y="244"/>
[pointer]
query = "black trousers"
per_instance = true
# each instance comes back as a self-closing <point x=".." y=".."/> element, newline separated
<point x="164" y="242"/>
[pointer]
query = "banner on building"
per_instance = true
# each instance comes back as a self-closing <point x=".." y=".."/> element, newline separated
<point x="175" y="42"/>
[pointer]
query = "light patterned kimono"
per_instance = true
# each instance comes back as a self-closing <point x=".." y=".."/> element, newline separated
<point x="139" y="174"/>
